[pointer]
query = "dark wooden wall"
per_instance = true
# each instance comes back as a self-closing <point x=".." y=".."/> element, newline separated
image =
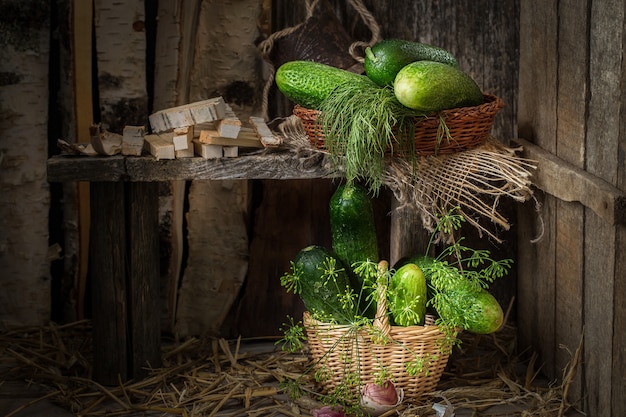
<point x="571" y="105"/>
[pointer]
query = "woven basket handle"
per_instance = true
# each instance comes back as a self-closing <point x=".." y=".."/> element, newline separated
<point x="382" y="318"/>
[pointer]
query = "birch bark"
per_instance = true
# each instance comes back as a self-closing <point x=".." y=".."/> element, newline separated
<point x="24" y="195"/>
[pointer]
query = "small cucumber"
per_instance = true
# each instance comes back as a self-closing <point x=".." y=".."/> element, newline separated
<point x="482" y="312"/>
<point x="386" y="58"/>
<point x="429" y="86"/>
<point x="407" y="296"/>
<point x="320" y="292"/>
<point x="308" y="83"/>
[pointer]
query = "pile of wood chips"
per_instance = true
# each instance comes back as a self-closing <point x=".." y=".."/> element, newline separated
<point x="216" y="377"/>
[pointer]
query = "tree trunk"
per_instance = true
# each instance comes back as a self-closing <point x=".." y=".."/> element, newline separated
<point x="24" y="205"/>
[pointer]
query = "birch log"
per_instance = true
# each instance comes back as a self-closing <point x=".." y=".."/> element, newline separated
<point x="175" y="43"/>
<point x="24" y="196"/>
<point x="121" y="53"/>
<point x="225" y="64"/>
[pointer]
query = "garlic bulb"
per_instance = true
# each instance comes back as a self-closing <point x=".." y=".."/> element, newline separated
<point x="377" y="399"/>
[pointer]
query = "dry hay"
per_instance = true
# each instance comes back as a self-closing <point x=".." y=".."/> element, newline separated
<point x="215" y="377"/>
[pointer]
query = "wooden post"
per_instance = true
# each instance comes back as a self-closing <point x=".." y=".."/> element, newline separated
<point x="125" y="279"/>
<point x="108" y="277"/>
<point x="143" y="276"/>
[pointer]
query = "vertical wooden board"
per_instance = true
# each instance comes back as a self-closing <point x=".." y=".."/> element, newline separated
<point x="599" y="302"/>
<point x="218" y="255"/>
<point x="24" y="201"/>
<point x="604" y="134"/>
<point x="537" y="123"/>
<point x="535" y="288"/>
<point x="121" y="62"/>
<point x="568" y="329"/>
<point x="618" y="382"/>
<point x="108" y="283"/>
<point x="572" y="90"/>
<point x="538" y="72"/>
<point x="143" y="269"/>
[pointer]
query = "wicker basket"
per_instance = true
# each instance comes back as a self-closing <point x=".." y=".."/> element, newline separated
<point x="339" y="349"/>
<point x="469" y="127"/>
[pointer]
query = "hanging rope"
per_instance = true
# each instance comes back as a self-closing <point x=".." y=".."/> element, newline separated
<point x="372" y="25"/>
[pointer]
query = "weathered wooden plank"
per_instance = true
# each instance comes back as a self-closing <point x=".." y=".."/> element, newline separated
<point x="618" y="382"/>
<point x="69" y="168"/>
<point x="604" y="134"/>
<point x="537" y="122"/>
<point x="569" y="183"/>
<point x="278" y="166"/>
<point x="618" y="363"/>
<point x="108" y="283"/>
<point x="572" y="89"/>
<point x="272" y="165"/>
<point x="143" y="277"/>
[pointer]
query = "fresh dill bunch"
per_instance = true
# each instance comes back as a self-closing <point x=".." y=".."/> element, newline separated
<point x="362" y="124"/>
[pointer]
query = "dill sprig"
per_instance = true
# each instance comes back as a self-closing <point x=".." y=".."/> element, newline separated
<point x="362" y="124"/>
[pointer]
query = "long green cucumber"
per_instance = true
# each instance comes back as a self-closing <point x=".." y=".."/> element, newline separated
<point x="308" y="83"/>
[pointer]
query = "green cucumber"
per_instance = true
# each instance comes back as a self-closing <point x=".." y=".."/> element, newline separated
<point x="308" y="83"/>
<point x="354" y="238"/>
<point x="481" y="311"/>
<point x="429" y="86"/>
<point x="386" y="58"/>
<point x="319" y="291"/>
<point x="407" y="296"/>
<point x="425" y="263"/>
<point x="352" y="225"/>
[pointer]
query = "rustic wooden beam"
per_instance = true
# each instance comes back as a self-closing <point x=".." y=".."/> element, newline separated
<point x="569" y="183"/>
<point x="142" y="277"/>
<point x="261" y="165"/>
<point x="108" y="283"/>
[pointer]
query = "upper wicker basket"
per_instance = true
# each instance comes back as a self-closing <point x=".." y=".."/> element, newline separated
<point x="468" y="127"/>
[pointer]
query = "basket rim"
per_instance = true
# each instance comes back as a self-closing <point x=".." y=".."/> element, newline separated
<point x="491" y="101"/>
<point x="310" y="322"/>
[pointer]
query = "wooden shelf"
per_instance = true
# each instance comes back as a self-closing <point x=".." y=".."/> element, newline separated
<point x="124" y="248"/>
<point x="259" y="165"/>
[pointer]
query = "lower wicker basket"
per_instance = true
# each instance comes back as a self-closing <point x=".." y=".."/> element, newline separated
<point x="468" y="127"/>
<point x="339" y="351"/>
